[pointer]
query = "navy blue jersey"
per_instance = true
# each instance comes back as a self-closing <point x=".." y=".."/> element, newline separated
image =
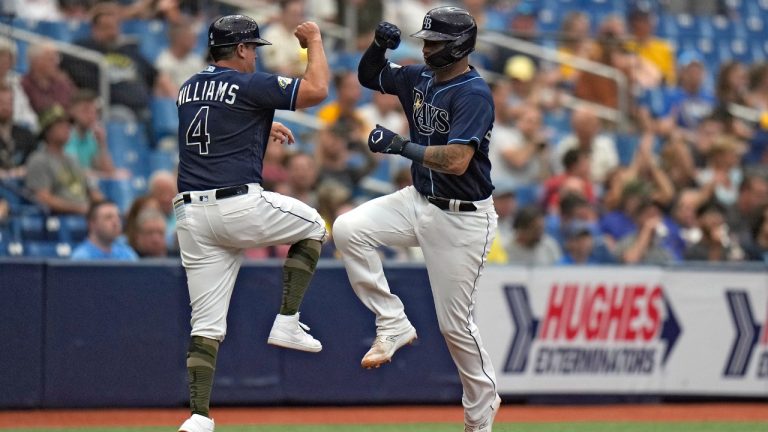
<point x="224" y="121"/>
<point x="457" y="111"/>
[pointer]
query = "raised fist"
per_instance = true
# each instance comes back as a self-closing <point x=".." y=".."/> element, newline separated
<point x="387" y="35"/>
<point x="305" y="32"/>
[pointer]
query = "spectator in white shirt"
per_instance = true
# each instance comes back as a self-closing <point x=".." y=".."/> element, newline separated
<point x="180" y="60"/>
<point x="587" y="135"/>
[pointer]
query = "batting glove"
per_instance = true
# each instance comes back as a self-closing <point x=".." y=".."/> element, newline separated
<point x="387" y="35"/>
<point x="383" y="140"/>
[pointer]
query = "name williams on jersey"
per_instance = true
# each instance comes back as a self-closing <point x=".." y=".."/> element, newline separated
<point x="429" y="118"/>
<point x="217" y="91"/>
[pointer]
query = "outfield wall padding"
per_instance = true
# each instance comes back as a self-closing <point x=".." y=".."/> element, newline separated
<point x="89" y="335"/>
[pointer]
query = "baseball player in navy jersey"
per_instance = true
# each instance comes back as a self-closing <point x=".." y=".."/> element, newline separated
<point x="448" y="211"/>
<point x="225" y="122"/>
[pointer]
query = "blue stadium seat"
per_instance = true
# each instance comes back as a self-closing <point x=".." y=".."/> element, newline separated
<point x="154" y="41"/>
<point x="165" y="120"/>
<point x="150" y="34"/>
<point x="118" y="190"/>
<point x="72" y="228"/>
<point x="725" y="28"/>
<point x="527" y="195"/>
<point x="59" y="30"/>
<point x="128" y="145"/>
<point x="162" y="160"/>
<point x="47" y="249"/>
<point x="667" y="26"/>
<point x="31" y="227"/>
<point x="755" y="26"/>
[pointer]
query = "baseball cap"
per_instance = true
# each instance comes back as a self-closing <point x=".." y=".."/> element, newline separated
<point x="689" y="56"/>
<point x="576" y="228"/>
<point x="520" y="67"/>
<point x="51" y="116"/>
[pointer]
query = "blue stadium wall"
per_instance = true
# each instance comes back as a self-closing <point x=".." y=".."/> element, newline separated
<point x="105" y="335"/>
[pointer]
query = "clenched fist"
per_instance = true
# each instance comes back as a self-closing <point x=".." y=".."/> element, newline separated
<point x="306" y="32"/>
<point x="387" y="35"/>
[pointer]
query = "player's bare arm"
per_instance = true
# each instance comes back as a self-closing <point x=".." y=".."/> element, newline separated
<point x="317" y="76"/>
<point x="449" y="159"/>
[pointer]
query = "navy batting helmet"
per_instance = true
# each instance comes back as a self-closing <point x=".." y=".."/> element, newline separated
<point x="453" y="25"/>
<point x="234" y="29"/>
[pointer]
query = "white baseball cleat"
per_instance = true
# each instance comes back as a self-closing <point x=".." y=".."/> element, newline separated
<point x="384" y="348"/>
<point x="197" y="423"/>
<point x="288" y="332"/>
<point x="487" y="424"/>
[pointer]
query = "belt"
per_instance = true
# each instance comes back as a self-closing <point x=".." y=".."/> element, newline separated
<point x="452" y="204"/>
<point x="222" y="193"/>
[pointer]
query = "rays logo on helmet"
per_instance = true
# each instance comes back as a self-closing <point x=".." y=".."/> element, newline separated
<point x="427" y="22"/>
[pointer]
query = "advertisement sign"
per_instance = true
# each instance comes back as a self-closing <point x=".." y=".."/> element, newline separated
<point x="634" y="330"/>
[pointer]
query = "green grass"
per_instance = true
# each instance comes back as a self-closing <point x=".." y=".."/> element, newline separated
<point x="499" y="427"/>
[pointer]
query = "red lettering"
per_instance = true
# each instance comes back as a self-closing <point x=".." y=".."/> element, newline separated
<point x="594" y="312"/>
<point x="632" y="310"/>
<point x="569" y="315"/>
<point x="613" y="317"/>
<point x="554" y="314"/>
<point x="654" y="315"/>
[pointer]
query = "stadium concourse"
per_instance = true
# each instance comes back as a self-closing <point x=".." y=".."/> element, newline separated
<point x="683" y="178"/>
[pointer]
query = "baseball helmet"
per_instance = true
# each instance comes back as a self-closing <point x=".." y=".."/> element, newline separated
<point x="234" y="29"/>
<point x="453" y="25"/>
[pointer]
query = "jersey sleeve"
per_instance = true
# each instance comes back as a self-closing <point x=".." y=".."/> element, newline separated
<point x="472" y="119"/>
<point x="394" y="79"/>
<point x="273" y="91"/>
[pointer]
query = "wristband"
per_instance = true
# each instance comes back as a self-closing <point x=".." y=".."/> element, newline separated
<point x="414" y="152"/>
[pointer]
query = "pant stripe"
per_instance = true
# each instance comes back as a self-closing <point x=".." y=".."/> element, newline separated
<point x="474" y="289"/>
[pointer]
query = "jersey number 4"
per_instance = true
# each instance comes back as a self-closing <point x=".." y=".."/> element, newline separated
<point x="197" y="132"/>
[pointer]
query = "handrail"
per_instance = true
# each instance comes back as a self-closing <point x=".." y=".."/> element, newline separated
<point x="552" y="55"/>
<point x="69" y="49"/>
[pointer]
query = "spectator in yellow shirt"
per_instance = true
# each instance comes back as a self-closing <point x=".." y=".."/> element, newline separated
<point x="659" y="52"/>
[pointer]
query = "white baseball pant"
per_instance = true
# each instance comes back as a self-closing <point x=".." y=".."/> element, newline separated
<point x="213" y="234"/>
<point x="455" y="245"/>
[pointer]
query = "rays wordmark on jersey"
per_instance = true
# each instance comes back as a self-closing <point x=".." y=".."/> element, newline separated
<point x="429" y="118"/>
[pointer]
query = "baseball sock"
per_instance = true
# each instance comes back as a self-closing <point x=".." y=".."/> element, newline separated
<point x="297" y="273"/>
<point x="201" y="363"/>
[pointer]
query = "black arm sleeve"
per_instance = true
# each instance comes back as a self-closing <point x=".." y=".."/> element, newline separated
<point x="371" y="64"/>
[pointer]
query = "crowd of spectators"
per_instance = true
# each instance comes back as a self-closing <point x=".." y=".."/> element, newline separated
<point x="680" y="175"/>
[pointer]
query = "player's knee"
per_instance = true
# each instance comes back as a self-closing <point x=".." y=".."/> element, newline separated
<point x="342" y="230"/>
